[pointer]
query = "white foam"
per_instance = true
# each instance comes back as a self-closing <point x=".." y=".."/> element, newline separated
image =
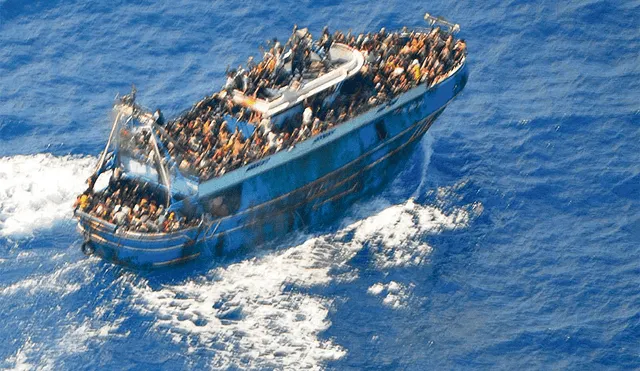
<point x="63" y="281"/>
<point x="75" y="332"/>
<point x="77" y="337"/>
<point x="254" y="314"/>
<point x="396" y="295"/>
<point x="376" y="289"/>
<point x="18" y="361"/>
<point x="37" y="190"/>
<point x="426" y="144"/>
<point x="394" y="234"/>
<point x="73" y="339"/>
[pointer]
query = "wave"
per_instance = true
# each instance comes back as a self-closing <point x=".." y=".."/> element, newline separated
<point x="79" y="327"/>
<point x="395" y="234"/>
<point x="258" y="313"/>
<point x="263" y="311"/>
<point x="37" y="190"/>
<point x="253" y="313"/>
<point x="62" y="282"/>
<point x="396" y="295"/>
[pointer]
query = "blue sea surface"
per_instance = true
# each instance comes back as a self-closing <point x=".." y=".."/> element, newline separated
<point x="511" y="240"/>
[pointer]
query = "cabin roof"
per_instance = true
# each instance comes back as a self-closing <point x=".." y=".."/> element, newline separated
<point x="346" y="62"/>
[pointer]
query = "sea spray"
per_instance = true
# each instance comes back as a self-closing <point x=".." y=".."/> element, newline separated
<point x="37" y="190"/>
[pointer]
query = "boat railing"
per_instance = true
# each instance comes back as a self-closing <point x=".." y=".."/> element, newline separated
<point x="124" y="233"/>
<point x="84" y="215"/>
<point x="452" y="71"/>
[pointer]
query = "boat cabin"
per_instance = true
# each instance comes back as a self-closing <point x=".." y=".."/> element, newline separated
<point x="324" y="74"/>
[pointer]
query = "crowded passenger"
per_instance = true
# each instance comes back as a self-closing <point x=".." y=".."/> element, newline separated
<point x="394" y="63"/>
<point x="132" y="206"/>
<point x="203" y="143"/>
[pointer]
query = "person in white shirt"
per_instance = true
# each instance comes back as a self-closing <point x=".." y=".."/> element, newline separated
<point x="307" y="116"/>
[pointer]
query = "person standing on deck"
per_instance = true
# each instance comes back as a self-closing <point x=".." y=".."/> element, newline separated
<point x="297" y="60"/>
<point x="325" y="42"/>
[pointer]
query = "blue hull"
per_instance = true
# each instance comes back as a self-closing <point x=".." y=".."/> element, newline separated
<point x="307" y="186"/>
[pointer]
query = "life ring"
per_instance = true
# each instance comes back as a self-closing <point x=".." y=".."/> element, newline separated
<point x="87" y="248"/>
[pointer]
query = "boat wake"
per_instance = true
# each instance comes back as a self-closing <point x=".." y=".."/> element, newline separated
<point x="37" y="190"/>
<point x="61" y="282"/>
<point x="79" y="325"/>
<point x="258" y="313"/>
<point x="426" y="145"/>
<point x="252" y="314"/>
<point x="264" y="310"/>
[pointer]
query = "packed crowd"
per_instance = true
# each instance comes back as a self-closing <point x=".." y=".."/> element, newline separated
<point x="204" y="145"/>
<point x="137" y="145"/>
<point x="132" y="206"/>
<point x="201" y="143"/>
<point x="396" y="62"/>
<point x="259" y="80"/>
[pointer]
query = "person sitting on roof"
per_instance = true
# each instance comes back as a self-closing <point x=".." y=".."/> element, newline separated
<point x="265" y="126"/>
<point x="307" y="59"/>
<point x="250" y="63"/>
<point x="294" y="39"/>
<point x="460" y="48"/>
<point x="246" y="82"/>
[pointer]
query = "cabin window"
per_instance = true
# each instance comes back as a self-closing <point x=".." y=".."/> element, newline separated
<point x="355" y="85"/>
<point x="381" y="130"/>
<point x="225" y="203"/>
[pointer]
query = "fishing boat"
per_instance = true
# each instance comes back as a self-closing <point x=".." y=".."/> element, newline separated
<point x="307" y="183"/>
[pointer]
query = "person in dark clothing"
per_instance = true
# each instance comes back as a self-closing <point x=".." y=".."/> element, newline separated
<point x="131" y="97"/>
<point x="297" y="60"/>
<point x="326" y="41"/>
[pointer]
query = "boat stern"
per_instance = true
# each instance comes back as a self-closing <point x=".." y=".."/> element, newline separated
<point x="140" y="250"/>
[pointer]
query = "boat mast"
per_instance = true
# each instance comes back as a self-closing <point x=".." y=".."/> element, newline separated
<point x="147" y="120"/>
<point x="164" y="177"/>
<point x="103" y="156"/>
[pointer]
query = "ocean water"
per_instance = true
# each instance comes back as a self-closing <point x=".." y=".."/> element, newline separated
<point x="510" y="240"/>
